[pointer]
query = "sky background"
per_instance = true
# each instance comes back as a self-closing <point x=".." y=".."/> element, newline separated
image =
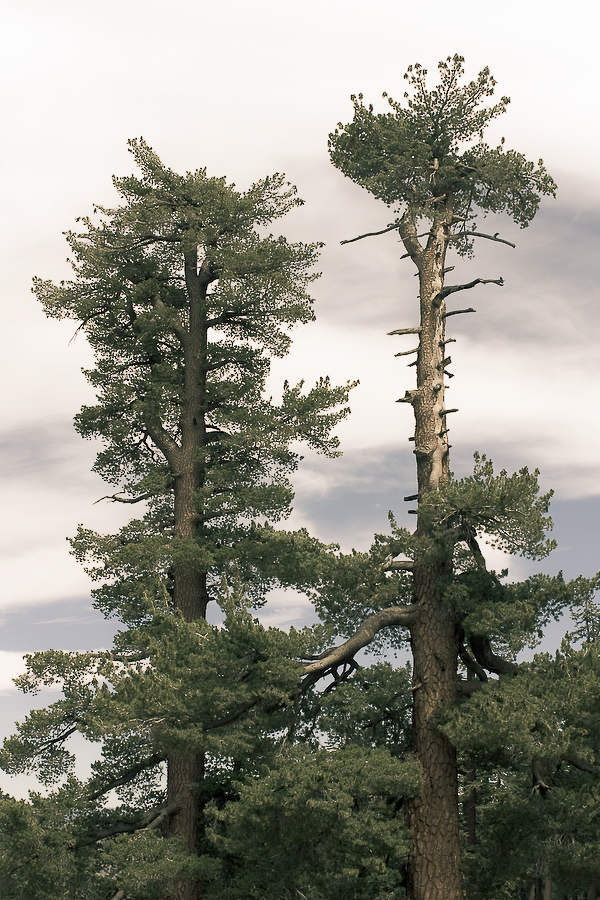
<point x="247" y="89"/>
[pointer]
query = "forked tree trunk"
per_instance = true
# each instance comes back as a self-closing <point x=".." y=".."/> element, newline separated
<point x="433" y="819"/>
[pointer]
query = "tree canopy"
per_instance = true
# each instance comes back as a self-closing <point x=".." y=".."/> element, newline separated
<point x="431" y="146"/>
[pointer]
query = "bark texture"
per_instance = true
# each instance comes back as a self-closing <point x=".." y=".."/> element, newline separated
<point x="185" y="767"/>
<point x="434" y="860"/>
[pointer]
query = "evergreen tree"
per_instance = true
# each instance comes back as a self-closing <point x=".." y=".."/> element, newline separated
<point x="184" y="297"/>
<point x="427" y="160"/>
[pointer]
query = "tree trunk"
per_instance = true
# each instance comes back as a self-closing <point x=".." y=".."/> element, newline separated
<point x="185" y="768"/>
<point x="434" y="860"/>
<point x="184" y="779"/>
<point x="433" y="819"/>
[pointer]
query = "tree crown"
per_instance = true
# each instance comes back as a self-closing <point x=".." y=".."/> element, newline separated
<point x="430" y="148"/>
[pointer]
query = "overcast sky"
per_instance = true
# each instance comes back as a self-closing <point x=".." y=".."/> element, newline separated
<point x="246" y="89"/>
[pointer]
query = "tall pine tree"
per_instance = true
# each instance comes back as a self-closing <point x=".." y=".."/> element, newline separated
<point x="185" y="298"/>
<point x="427" y="160"/>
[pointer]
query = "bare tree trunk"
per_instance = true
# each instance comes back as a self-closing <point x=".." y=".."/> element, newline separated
<point x="433" y="818"/>
<point x="434" y="861"/>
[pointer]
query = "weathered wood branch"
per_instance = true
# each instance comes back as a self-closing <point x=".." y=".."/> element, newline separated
<point x="408" y="232"/>
<point x="488" y="237"/>
<point x="165" y="443"/>
<point x="370" y="234"/>
<point x="407" y="352"/>
<point x="457" y="312"/>
<point x="417" y="329"/>
<point x="415" y="239"/>
<point x="176" y="324"/>
<point x="399" y="565"/>
<point x="409" y="397"/>
<point x="452" y="288"/>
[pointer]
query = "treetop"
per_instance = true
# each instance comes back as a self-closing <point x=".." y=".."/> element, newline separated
<point x="429" y="149"/>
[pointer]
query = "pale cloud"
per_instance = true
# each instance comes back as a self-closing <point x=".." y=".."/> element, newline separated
<point x="11" y="666"/>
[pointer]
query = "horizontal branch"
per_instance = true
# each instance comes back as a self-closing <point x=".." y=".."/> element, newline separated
<point x="385" y="618"/>
<point x="457" y="312"/>
<point x="407" y="352"/>
<point x="488" y="237"/>
<point x="466" y="688"/>
<point x="409" y="397"/>
<point x="116" y="499"/>
<point x="452" y="288"/>
<point x="371" y="234"/>
<point x="581" y="764"/>
<point x="150" y="820"/>
<point x="417" y="329"/>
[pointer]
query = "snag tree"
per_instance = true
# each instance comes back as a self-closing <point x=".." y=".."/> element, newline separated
<point x="427" y="160"/>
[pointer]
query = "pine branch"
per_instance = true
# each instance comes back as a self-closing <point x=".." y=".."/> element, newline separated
<point x="128" y="775"/>
<point x="488" y="237"/>
<point x="482" y="650"/>
<point x="149" y="821"/>
<point x="457" y="312"/>
<point x="451" y="289"/>
<point x="471" y="664"/>
<point x="385" y="618"/>
<point x="116" y="499"/>
<point x="59" y="739"/>
<point x="370" y="234"/>
<point x="417" y="329"/>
